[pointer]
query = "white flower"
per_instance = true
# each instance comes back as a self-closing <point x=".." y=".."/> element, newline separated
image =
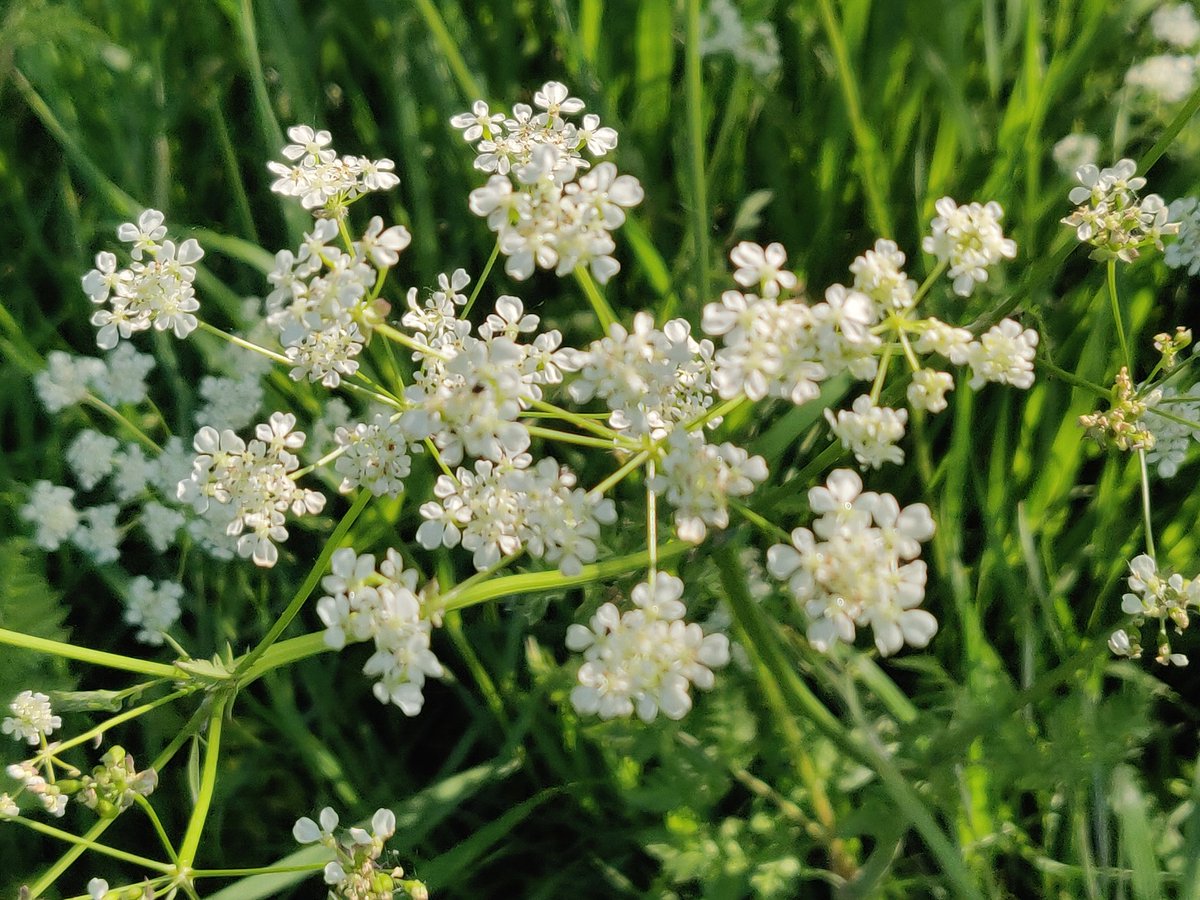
<point x="928" y="389"/>
<point x="969" y="240"/>
<point x="870" y="431"/>
<point x="306" y="831"/>
<point x="229" y="402"/>
<point x="1176" y="24"/>
<point x="945" y="340"/>
<point x="1111" y="216"/>
<point x="153" y="609"/>
<point x="1166" y="78"/>
<point x="161" y="524"/>
<point x="52" y="512"/>
<point x="1172" y="439"/>
<point x="761" y="268"/>
<point x="67" y="379"/>
<point x="858" y="566"/>
<point x="124" y="380"/>
<point x="323" y="182"/>
<point x="644" y="660"/>
<point x="376" y="456"/>
<point x="97" y="889"/>
<point x="98" y="534"/>
<point x="1005" y="355"/>
<point x="92" y="456"/>
<point x="31" y="719"/>
<point x="1184" y="253"/>
<point x="879" y="273"/>
<point x="1075" y="150"/>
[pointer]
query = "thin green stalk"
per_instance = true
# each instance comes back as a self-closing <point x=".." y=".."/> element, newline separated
<point x="487" y="270"/>
<point x="285" y="653"/>
<point x="1146" y="520"/>
<point x="694" y="99"/>
<point x="208" y="783"/>
<point x="95" y="847"/>
<point x="566" y="437"/>
<point x="148" y="809"/>
<point x="618" y="476"/>
<point x="582" y="422"/>
<point x="121" y="718"/>
<point x="603" y="311"/>
<point x="117" y="416"/>
<point x="1116" y="311"/>
<point x="86" y="655"/>
<point x="467" y="83"/>
<point x="243" y="343"/>
<point x="1071" y="378"/>
<point x="258" y="870"/>
<point x="310" y="582"/>
<point x="393" y="334"/>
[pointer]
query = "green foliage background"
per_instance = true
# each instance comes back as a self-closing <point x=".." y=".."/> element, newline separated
<point x="1050" y="769"/>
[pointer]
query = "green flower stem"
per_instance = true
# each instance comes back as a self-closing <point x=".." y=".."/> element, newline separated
<point x="719" y="411"/>
<point x="92" y="657"/>
<point x="1071" y="378"/>
<point x="117" y="416"/>
<point x="1116" y="310"/>
<point x="651" y="523"/>
<point x="121" y="718"/>
<point x="309" y="585"/>
<point x="1146" y="520"/>
<point x="881" y="374"/>
<point x="385" y="399"/>
<point x="528" y="582"/>
<point x="604" y="312"/>
<point x="487" y="270"/>
<point x="502" y="563"/>
<point x="566" y="437"/>
<point x="399" y="337"/>
<point x="284" y="653"/>
<point x="208" y="783"/>
<point x="760" y="522"/>
<point x="258" y="870"/>
<point x="777" y="675"/>
<point x="65" y="861"/>
<point x="929" y="280"/>
<point x="618" y="476"/>
<point x="582" y="422"/>
<point x="693" y="87"/>
<point x="148" y="809"/>
<point x="92" y="845"/>
<point x="454" y="59"/>
<point x="1178" y="420"/>
<point x="243" y="343"/>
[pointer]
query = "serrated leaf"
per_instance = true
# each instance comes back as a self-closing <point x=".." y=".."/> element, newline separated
<point x="30" y="606"/>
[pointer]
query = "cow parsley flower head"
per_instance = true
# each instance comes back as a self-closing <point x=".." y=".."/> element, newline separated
<point x="870" y="431"/>
<point x="1004" y="354"/>
<point x="1164" y="78"/>
<point x="1171" y="439"/>
<point x="325" y="183"/>
<point x="1165" y="598"/>
<point x="92" y="456"/>
<point x="31" y="719"/>
<point x="762" y="268"/>
<point x="646" y="659"/>
<point x="1184" y="253"/>
<point x="879" y="273"/>
<point x="152" y="609"/>
<point x="928" y="390"/>
<point x="859" y="565"/>
<point x="51" y="510"/>
<point x="1112" y="217"/>
<point x="66" y="380"/>
<point x="1176" y="24"/>
<point x="124" y="379"/>
<point x="155" y="291"/>
<point x="969" y="240"/>
<point x="1075" y="150"/>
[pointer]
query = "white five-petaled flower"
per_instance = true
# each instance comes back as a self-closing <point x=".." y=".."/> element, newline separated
<point x="762" y="268"/>
<point x="31" y="719"/>
<point x="969" y="240"/>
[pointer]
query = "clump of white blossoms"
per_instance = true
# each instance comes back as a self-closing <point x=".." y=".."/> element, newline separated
<point x="870" y="431"/>
<point x="1075" y="150"/>
<point x="1184" y="252"/>
<point x="1171" y="437"/>
<point x="723" y="31"/>
<point x="859" y="565"/>
<point x="32" y="718"/>
<point x="386" y="607"/>
<point x="545" y="213"/>
<point x="969" y="240"/>
<point x="645" y="659"/>
<point x="1176" y="24"/>
<point x="152" y="608"/>
<point x="1112" y="217"/>
<point x="325" y="183"/>
<point x="356" y="871"/>
<point x="253" y="484"/>
<point x="156" y="290"/>
<point x="1160" y="597"/>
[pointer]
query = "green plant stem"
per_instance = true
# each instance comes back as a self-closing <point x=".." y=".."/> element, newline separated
<point x="89" y="844"/>
<point x="1117" y="318"/>
<point x="1146" y="520"/>
<point x="458" y="66"/>
<point x="284" y="653"/>
<point x="148" y="809"/>
<point x="618" y="476"/>
<point x="487" y="270"/>
<point x="309" y="584"/>
<point x="694" y="99"/>
<point x="566" y="437"/>
<point x="243" y="343"/>
<point x="258" y="870"/>
<point x="122" y="718"/>
<point x="208" y="783"/>
<point x="121" y="419"/>
<point x="86" y="655"/>
<point x="582" y="422"/>
<point x="1071" y="378"/>
<point x="603" y="311"/>
<point x="393" y="334"/>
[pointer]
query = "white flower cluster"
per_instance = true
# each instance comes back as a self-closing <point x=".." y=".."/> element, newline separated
<point x="32" y="718"/>
<point x="324" y="182"/>
<point x="1075" y="150"/>
<point x="152" y="608"/>
<point x="1184" y="253"/>
<point x="1111" y="216"/>
<point x="157" y="292"/>
<point x="859" y="566"/>
<point x="252" y="484"/>
<point x="324" y="300"/>
<point x="1172" y="438"/>
<point x="229" y="402"/>
<point x="385" y="607"/>
<point x="544" y="212"/>
<point x="1168" y="77"/>
<point x="504" y="507"/>
<point x="1163" y="599"/>
<point x="969" y="240"/>
<point x="49" y="793"/>
<point x="376" y="455"/>
<point x="356" y="873"/>
<point x="723" y="31"/>
<point x="646" y="659"/>
<point x="67" y="380"/>
<point x="869" y="431"/>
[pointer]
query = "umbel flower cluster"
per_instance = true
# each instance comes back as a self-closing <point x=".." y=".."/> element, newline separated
<point x="479" y="393"/>
<point x="357" y="871"/>
<point x="1164" y="598"/>
<point x="1112" y="217"/>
